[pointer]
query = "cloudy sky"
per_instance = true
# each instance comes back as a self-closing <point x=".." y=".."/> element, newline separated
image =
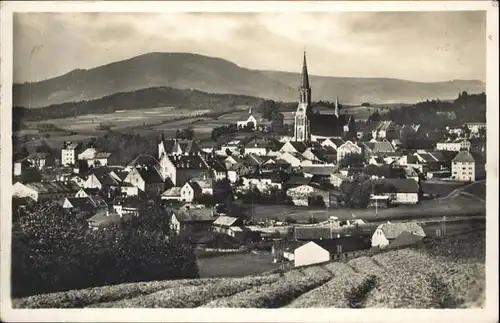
<point x="419" y="46"/>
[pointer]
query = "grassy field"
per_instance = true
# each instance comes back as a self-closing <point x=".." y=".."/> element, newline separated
<point x="235" y="265"/>
<point x="443" y="273"/>
<point x="440" y="188"/>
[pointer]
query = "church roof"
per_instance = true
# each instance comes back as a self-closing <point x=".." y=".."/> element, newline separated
<point x="328" y="125"/>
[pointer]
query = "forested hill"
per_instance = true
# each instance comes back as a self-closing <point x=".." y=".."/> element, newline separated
<point x="436" y="113"/>
<point x="135" y="100"/>
<point x="215" y="75"/>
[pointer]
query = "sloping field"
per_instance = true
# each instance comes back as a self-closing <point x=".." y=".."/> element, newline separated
<point x="444" y="273"/>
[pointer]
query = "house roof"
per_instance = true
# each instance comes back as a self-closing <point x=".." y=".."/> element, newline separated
<point x="225" y="221"/>
<point x="411" y="159"/>
<point x="403" y="185"/>
<point x="383" y="125"/>
<point x="150" y="175"/>
<point x="319" y="170"/>
<point x="463" y="157"/>
<point x="188" y="162"/>
<point x="349" y="243"/>
<point x="189" y="146"/>
<point x="202" y="183"/>
<point x="405" y="239"/>
<point x="341" y="176"/>
<point x="328" y="125"/>
<point x="378" y="146"/>
<point x="297" y="145"/>
<point x="100" y="155"/>
<point x="54" y="187"/>
<point x="216" y="166"/>
<point x="393" y="230"/>
<point x="81" y="202"/>
<point x="173" y="191"/>
<point x="195" y="215"/>
<point x="37" y="156"/>
<point x="253" y="160"/>
<point x="143" y="160"/>
<point x="298" y="179"/>
<point x="71" y="145"/>
<point x="427" y="157"/>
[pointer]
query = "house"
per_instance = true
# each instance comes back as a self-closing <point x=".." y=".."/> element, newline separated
<point x="347" y="148"/>
<point x="20" y="166"/>
<point x="40" y="192"/>
<point x="147" y="179"/>
<point x="334" y="143"/>
<point x="172" y="194"/>
<point x="319" y="251"/>
<point x="69" y="153"/>
<point x="208" y="147"/>
<point x="311" y="194"/>
<point x="128" y="190"/>
<point x="295" y="159"/>
<point x="412" y="161"/>
<point x="181" y="168"/>
<point x="224" y="224"/>
<point x="101" y="180"/>
<point x="94" y="158"/>
<point x="405" y="239"/>
<point x="177" y="147"/>
<point x="39" y="160"/>
<point x="230" y="148"/>
<point x="385" y="130"/>
<point x="337" y="179"/>
<point x="458" y="144"/>
<point x="318" y="170"/>
<point x="190" y="191"/>
<point x="257" y="146"/>
<point x="217" y="169"/>
<point x="374" y="147"/>
<point x="128" y="206"/>
<point x="468" y="166"/>
<point x="387" y="232"/>
<point x="474" y="127"/>
<point x="293" y="147"/>
<point x="251" y="122"/>
<point x="364" y="130"/>
<point x="192" y="220"/>
<point x="142" y="161"/>
<point x="404" y="190"/>
<point x="376" y="160"/>
<point x="79" y="204"/>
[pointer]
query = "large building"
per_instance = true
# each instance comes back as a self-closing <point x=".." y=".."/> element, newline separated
<point x="311" y="126"/>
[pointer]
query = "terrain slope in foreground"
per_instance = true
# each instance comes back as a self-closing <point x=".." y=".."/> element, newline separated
<point x="444" y="273"/>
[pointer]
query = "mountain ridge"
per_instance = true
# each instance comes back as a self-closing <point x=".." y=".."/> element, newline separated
<point x="216" y="75"/>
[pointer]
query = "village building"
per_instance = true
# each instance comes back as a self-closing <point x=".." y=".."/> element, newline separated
<point x="79" y="204"/>
<point x="172" y="194"/>
<point x="40" y="192"/>
<point x="217" y="169"/>
<point x="192" y="220"/>
<point x="474" y="127"/>
<point x="387" y="232"/>
<point x="337" y="179"/>
<point x="385" y="130"/>
<point x="146" y="179"/>
<point x="468" y="167"/>
<point x="406" y="191"/>
<point x="177" y="147"/>
<point x="293" y="147"/>
<point x="334" y="143"/>
<point x="374" y="147"/>
<point x="347" y="148"/>
<point x="310" y="126"/>
<point x="231" y="147"/>
<point x="103" y="219"/>
<point x="39" y="160"/>
<point x="94" y="158"/>
<point x="142" y="161"/>
<point x="69" y="153"/>
<point x="181" y="168"/>
<point x="225" y="224"/>
<point x="251" y="122"/>
<point x="454" y="145"/>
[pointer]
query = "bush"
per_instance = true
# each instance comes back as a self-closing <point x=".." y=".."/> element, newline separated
<point x="52" y="252"/>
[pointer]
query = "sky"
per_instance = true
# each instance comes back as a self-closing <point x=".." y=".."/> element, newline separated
<point x="417" y="46"/>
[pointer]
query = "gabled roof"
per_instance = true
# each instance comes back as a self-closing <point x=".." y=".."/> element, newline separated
<point x="195" y="215"/>
<point x="100" y="155"/>
<point x="378" y="146"/>
<point x="298" y="146"/>
<point x="54" y="187"/>
<point x="298" y="179"/>
<point x="319" y="170"/>
<point x="225" y="221"/>
<point x="328" y="125"/>
<point x="383" y="125"/>
<point x="428" y="158"/>
<point x="143" y="160"/>
<point x="100" y="219"/>
<point x="188" y="146"/>
<point x="405" y="239"/>
<point x="403" y="185"/>
<point x="81" y="202"/>
<point x="393" y="230"/>
<point x="37" y="156"/>
<point x="463" y="157"/>
<point x="150" y="175"/>
<point x="174" y="191"/>
<point x="216" y="166"/>
<point x="188" y="162"/>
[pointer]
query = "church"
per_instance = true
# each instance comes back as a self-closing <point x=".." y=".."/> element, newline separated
<point x="312" y="126"/>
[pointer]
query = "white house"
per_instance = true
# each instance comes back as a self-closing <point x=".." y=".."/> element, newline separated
<point x="190" y="191"/>
<point x="181" y="168"/>
<point x="454" y="145"/>
<point x="310" y="253"/>
<point x="385" y="130"/>
<point x="69" y="153"/>
<point x="337" y="179"/>
<point x="251" y="120"/>
<point x="467" y="167"/>
<point x="45" y="191"/>
<point x="94" y="158"/>
<point x="387" y="232"/>
<point x="406" y="190"/>
<point x="346" y="149"/>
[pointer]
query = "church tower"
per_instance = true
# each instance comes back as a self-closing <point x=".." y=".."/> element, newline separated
<point x="302" y="132"/>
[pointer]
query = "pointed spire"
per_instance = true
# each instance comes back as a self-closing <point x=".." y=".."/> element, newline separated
<point x="304" y="81"/>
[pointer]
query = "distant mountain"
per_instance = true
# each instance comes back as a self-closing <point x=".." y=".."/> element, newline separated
<point x="215" y="75"/>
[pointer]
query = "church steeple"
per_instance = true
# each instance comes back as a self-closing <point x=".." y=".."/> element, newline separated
<point x="305" y="87"/>
<point x="304" y="81"/>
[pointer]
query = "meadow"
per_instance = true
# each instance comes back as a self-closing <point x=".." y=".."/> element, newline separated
<point x="439" y="273"/>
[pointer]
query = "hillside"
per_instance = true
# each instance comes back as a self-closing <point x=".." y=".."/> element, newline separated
<point x="214" y="75"/>
<point x="443" y="273"/>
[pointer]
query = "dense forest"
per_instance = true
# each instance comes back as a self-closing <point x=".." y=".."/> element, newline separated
<point x="438" y="114"/>
<point x="135" y="100"/>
